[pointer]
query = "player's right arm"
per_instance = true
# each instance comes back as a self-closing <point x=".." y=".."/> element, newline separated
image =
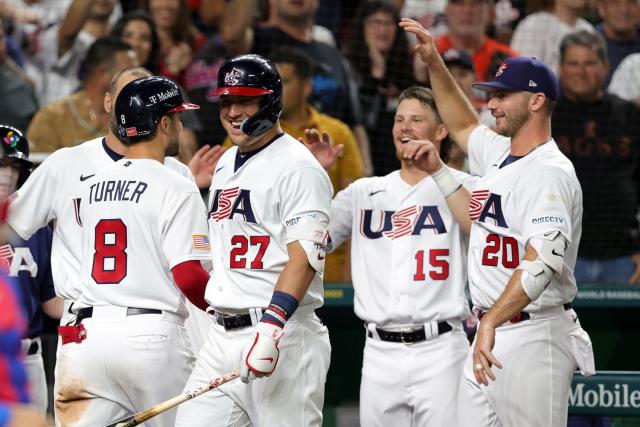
<point x="185" y="243"/>
<point x="32" y="206"/>
<point x="454" y="107"/>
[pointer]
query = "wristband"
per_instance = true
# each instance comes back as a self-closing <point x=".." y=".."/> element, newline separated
<point x="280" y="309"/>
<point x="445" y="180"/>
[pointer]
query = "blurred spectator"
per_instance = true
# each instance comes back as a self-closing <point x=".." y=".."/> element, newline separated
<point x="13" y="385"/>
<point x="619" y="26"/>
<point x="180" y="40"/>
<point x="296" y="71"/>
<point x="430" y="13"/>
<point x="599" y="132"/>
<point x="64" y="47"/>
<point x="137" y="29"/>
<point x="539" y="34"/>
<point x="19" y="102"/>
<point x="379" y="55"/>
<point x="467" y="21"/>
<point x="201" y="75"/>
<point x="29" y="261"/>
<point x="81" y="116"/>
<point x="14" y="394"/>
<point x="625" y="82"/>
<point x="460" y="65"/>
<point x="291" y="24"/>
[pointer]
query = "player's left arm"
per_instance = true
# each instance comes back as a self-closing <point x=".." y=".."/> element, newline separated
<point x="305" y="197"/>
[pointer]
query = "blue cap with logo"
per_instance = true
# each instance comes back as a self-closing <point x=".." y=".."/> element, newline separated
<point x="457" y="58"/>
<point x="522" y="73"/>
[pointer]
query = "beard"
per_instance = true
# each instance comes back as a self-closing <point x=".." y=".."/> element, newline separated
<point x="173" y="148"/>
<point x="513" y="123"/>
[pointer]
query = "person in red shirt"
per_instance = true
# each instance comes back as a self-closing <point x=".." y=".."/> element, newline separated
<point x="467" y="21"/>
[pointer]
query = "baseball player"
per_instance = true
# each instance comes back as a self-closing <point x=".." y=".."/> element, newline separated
<point x="526" y="212"/>
<point x="409" y="271"/>
<point x="143" y="227"/>
<point x="29" y="262"/>
<point x="49" y="194"/>
<point x="268" y="213"/>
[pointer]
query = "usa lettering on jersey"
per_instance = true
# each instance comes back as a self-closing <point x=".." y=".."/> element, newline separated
<point x="485" y="205"/>
<point x="231" y="201"/>
<point x="15" y="260"/>
<point x="408" y="221"/>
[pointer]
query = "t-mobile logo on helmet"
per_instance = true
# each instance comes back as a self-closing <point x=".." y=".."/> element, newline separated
<point x="233" y="77"/>
<point x="163" y="96"/>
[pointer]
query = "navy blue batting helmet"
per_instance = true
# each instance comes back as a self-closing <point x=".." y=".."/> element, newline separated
<point x="253" y="75"/>
<point x="141" y="104"/>
<point x="15" y="146"/>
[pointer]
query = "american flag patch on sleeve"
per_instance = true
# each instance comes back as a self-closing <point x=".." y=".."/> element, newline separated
<point x="200" y="241"/>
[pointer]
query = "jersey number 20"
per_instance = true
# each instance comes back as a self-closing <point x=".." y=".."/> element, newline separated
<point x="508" y="248"/>
<point x="110" y="258"/>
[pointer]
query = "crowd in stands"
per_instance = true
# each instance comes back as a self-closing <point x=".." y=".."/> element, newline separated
<point x="343" y="66"/>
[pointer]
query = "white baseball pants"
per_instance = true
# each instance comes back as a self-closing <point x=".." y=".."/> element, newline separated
<point x="412" y="384"/>
<point x="126" y="364"/>
<point x="532" y="388"/>
<point x="293" y="396"/>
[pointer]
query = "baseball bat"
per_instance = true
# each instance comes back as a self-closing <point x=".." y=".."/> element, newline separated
<point x="143" y="416"/>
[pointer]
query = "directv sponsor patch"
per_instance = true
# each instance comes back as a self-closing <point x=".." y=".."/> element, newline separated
<point x="548" y="219"/>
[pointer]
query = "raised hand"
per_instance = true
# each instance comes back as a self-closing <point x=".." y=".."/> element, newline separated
<point x="425" y="46"/>
<point x="204" y="162"/>
<point x="322" y="148"/>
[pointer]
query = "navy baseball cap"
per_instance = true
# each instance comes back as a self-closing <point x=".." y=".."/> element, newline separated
<point x="522" y="73"/>
<point x="457" y="58"/>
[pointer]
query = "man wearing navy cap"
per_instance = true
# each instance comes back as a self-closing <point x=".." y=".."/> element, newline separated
<point x="526" y="221"/>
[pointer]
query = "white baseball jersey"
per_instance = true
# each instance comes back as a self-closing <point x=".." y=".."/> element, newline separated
<point x="408" y="254"/>
<point x="49" y="194"/>
<point x="249" y="212"/>
<point x="139" y="220"/>
<point x="536" y="194"/>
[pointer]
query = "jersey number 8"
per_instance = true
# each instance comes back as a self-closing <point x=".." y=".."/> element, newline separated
<point x="110" y="258"/>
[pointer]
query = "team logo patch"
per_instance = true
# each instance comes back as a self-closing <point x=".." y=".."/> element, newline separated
<point x="478" y="199"/>
<point x="131" y="131"/>
<point x="200" y="241"/>
<point x="11" y="139"/>
<point x="233" y="77"/>
<point x="501" y="69"/>
<point x="6" y="257"/>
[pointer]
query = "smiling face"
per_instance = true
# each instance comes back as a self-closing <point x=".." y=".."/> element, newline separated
<point x="138" y="34"/>
<point x="510" y="110"/>
<point x="415" y="121"/>
<point x="233" y="111"/>
<point x="582" y="73"/>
